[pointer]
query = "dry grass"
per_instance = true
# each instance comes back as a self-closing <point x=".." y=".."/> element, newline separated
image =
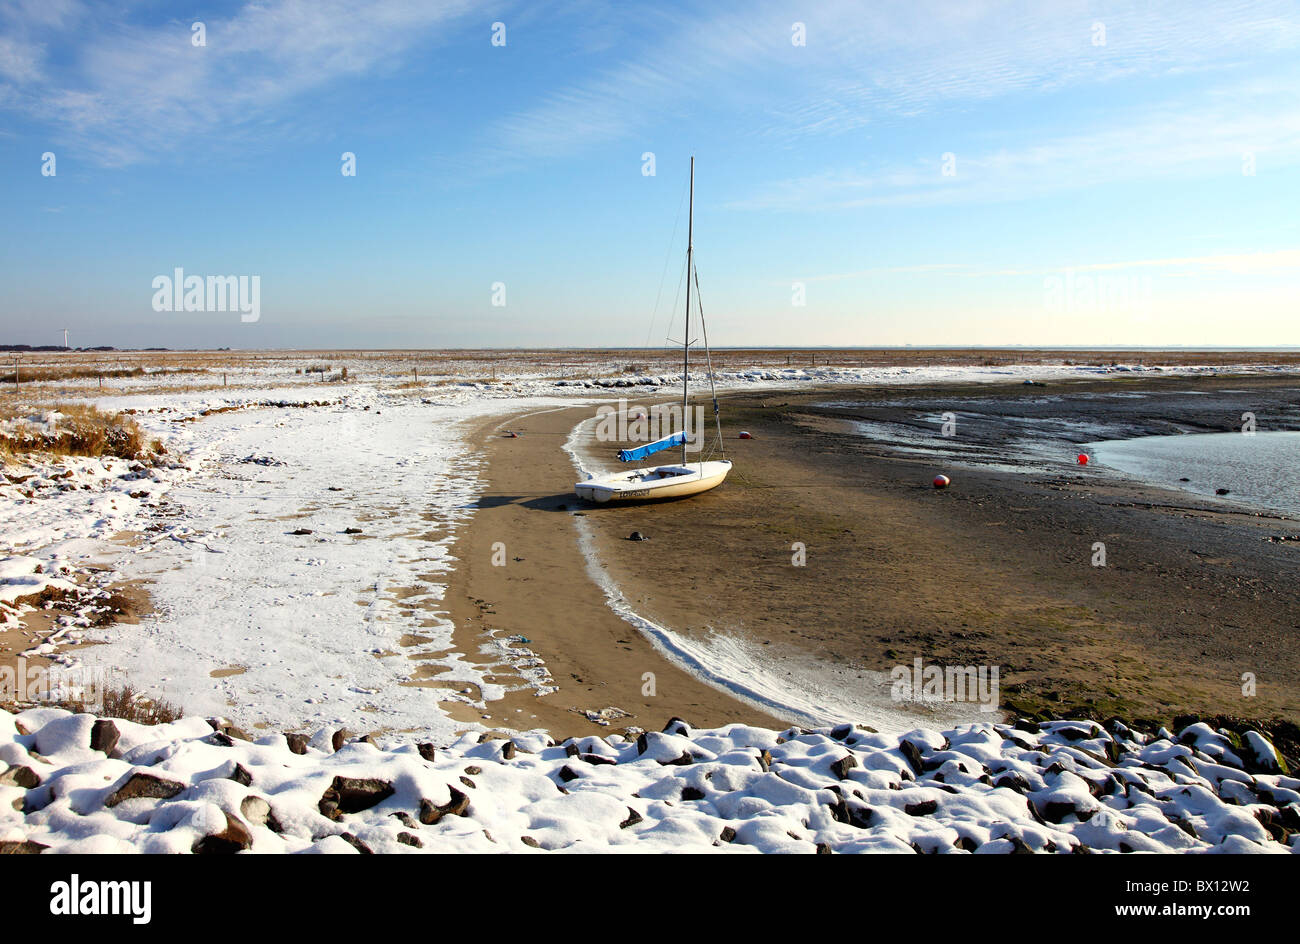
<point x="46" y="374"/>
<point x="124" y="703"/>
<point x="82" y="431"/>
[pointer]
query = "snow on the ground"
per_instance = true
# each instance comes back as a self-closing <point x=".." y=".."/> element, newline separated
<point x="306" y="564"/>
<point x="72" y="784"/>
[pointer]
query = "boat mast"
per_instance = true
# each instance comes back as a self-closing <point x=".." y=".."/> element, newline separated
<point x="686" y="336"/>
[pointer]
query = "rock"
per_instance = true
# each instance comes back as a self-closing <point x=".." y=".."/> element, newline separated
<point x="143" y="785"/>
<point x="301" y="531"/>
<point x="567" y="773"/>
<point x="351" y="530"/>
<point x="426" y="751"/>
<point x="352" y="795"/>
<point x="597" y="759"/>
<point x="912" y="754"/>
<point x="1260" y="756"/>
<point x="765" y="760"/>
<point x="637" y="536"/>
<point x="473" y="770"/>
<point x="104" y="736"/>
<point x="530" y="841"/>
<point x="676" y="725"/>
<point x="297" y="743"/>
<point x="727" y="835"/>
<point x="1221" y="491"/>
<point x="17" y="776"/>
<point x="407" y="839"/>
<point x="338" y="740"/>
<point x="824" y="848"/>
<point x="633" y="817"/>
<point x="356" y="844"/>
<point x="692" y="793"/>
<point x="255" y="809"/>
<point x="683" y="761"/>
<point x="234" y="838"/>
<point x="240" y="775"/>
<point x="507" y="750"/>
<point x="842" y="766"/>
<point x="924" y="808"/>
<point x="431" y="812"/>
<point x="21" y="847"/>
<point x="1019" y="846"/>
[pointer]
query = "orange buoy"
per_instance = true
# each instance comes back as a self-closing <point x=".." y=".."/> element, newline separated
<point x="1083" y="458"/>
<point x="942" y="481"/>
<point x="745" y="435"/>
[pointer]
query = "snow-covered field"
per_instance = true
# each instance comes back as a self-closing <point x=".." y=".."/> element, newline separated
<point x="72" y="784"/>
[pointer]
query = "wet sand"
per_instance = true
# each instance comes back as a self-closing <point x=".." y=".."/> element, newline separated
<point x="545" y="593"/>
<point x="995" y="571"/>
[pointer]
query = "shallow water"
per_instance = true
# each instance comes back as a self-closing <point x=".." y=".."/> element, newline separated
<point x="1261" y="470"/>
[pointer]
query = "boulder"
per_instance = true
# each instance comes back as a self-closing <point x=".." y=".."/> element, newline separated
<point x="352" y="795"/>
<point x="104" y="736"/>
<point x="144" y="785"/>
<point x="235" y="837"/>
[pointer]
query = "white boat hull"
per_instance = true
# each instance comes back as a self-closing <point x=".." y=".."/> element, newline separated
<point x="648" y="484"/>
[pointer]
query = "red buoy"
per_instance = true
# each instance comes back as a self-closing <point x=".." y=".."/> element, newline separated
<point x="1083" y="458"/>
<point x="941" y="481"/>
<point x="745" y="435"/>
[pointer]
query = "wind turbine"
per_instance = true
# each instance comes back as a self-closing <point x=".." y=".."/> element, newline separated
<point x="65" y="339"/>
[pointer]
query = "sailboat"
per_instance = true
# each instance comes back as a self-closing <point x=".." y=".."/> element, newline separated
<point x="680" y="479"/>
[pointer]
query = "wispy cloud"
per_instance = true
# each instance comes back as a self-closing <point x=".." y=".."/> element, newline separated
<point x="868" y="63"/>
<point x="130" y="90"/>
<point x="1243" y="129"/>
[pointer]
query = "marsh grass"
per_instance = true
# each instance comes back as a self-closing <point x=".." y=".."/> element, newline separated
<point x="81" y="431"/>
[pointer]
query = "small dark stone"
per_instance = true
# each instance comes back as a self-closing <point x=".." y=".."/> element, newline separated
<point x="1019" y="846"/>
<point x="104" y="736"/>
<point x="1221" y="491"/>
<point x="692" y="793"/>
<point x="301" y="531"/>
<point x="824" y="848"/>
<point x="924" y="808"/>
<point x="567" y="773"/>
<point x="297" y="743"/>
<point x="912" y="754"/>
<point x="431" y="812"/>
<point x="18" y="776"/>
<point x="144" y="785"/>
<point x="426" y="751"/>
<point x="633" y="817"/>
<point x="765" y="760"/>
<point x="407" y="839"/>
<point x="338" y="740"/>
<point x="842" y="766"/>
<point x="637" y="536"/>
<point x="597" y="759"/>
<point x="351" y="530"/>
<point x="353" y="794"/>
<point x="507" y="750"/>
<point x="240" y="775"/>
<point x="234" y="838"/>
<point x="356" y="844"/>
<point x="530" y="841"/>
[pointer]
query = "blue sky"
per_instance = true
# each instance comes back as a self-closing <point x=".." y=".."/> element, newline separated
<point x="925" y="173"/>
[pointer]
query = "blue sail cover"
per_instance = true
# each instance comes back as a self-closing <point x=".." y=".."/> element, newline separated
<point x="649" y="449"/>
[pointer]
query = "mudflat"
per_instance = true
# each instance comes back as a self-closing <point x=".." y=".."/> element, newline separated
<point x="997" y="570"/>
